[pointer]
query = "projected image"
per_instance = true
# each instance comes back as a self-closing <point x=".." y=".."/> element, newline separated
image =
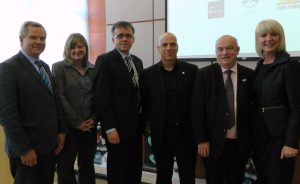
<point x="282" y="4"/>
<point x="215" y="9"/>
<point x="250" y="3"/>
<point x="201" y="22"/>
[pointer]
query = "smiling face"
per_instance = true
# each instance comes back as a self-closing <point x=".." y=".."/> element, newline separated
<point x="78" y="52"/>
<point x="268" y="42"/>
<point x="269" y="38"/>
<point x="34" y="42"/>
<point x="123" y="39"/>
<point x="227" y="50"/>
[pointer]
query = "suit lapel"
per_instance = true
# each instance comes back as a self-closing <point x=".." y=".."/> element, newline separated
<point x="30" y="68"/>
<point x="121" y="63"/>
<point x="220" y="84"/>
<point x="72" y="72"/>
<point x="241" y="84"/>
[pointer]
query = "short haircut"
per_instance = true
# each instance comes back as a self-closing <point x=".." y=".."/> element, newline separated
<point x="269" y="25"/>
<point x="24" y="28"/>
<point x="123" y="24"/>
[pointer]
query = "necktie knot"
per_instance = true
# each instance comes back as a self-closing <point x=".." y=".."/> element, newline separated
<point x="228" y="72"/>
<point x="38" y="63"/>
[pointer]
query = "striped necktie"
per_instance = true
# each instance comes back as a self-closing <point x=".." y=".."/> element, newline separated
<point x="132" y="71"/>
<point x="230" y="99"/>
<point x="44" y="75"/>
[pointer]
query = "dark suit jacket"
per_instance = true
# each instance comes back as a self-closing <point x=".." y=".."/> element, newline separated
<point x="71" y="92"/>
<point x="116" y="99"/>
<point x="281" y="98"/>
<point x="28" y="110"/>
<point x="154" y="98"/>
<point x="209" y="112"/>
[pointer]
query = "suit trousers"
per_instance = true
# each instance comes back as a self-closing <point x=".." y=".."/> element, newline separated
<point x="174" y="144"/>
<point x="229" y="168"/>
<point x="83" y="146"/>
<point x="43" y="172"/>
<point x="125" y="161"/>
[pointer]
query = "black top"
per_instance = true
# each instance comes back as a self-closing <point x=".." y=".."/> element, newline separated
<point x="172" y="96"/>
<point x="258" y="82"/>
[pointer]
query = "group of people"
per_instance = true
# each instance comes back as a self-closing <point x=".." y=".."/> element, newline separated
<point x="224" y="112"/>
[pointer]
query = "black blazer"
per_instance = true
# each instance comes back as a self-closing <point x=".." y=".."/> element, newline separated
<point x="116" y="99"/>
<point x="209" y="113"/>
<point x="154" y="103"/>
<point x="281" y="98"/>
<point x="28" y="110"/>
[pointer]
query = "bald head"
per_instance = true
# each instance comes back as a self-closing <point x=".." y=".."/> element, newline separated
<point x="228" y="38"/>
<point x="167" y="47"/>
<point x="166" y="35"/>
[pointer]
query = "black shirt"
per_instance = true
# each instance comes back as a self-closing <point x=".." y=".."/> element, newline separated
<point x="173" y="115"/>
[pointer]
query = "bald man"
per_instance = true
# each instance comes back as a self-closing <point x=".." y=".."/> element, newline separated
<point x="222" y="104"/>
<point x="166" y="88"/>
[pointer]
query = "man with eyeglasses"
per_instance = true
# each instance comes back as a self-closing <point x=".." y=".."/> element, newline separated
<point x="117" y="106"/>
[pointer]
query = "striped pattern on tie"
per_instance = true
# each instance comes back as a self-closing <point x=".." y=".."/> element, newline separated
<point x="132" y="71"/>
<point x="44" y="75"/>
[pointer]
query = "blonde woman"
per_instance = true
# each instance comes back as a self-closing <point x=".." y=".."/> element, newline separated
<point x="277" y="127"/>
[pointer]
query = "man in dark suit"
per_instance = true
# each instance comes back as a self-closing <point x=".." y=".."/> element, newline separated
<point x="166" y="89"/>
<point x="221" y="115"/>
<point x="117" y="106"/>
<point x="28" y="110"/>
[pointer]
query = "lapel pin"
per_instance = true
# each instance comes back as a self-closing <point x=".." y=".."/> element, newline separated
<point x="182" y="73"/>
<point x="244" y="80"/>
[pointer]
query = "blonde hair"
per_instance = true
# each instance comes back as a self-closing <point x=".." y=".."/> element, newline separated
<point x="269" y="25"/>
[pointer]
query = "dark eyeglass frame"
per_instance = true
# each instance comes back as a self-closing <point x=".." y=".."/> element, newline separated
<point x="121" y="36"/>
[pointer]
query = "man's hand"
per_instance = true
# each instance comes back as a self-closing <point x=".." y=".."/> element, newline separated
<point x="287" y="152"/>
<point x="203" y="149"/>
<point x="60" y="143"/>
<point x="29" y="158"/>
<point x="113" y="137"/>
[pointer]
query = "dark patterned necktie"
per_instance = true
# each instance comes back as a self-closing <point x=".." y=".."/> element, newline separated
<point x="230" y="99"/>
<point x="44" y="75"/>
<point x="130" y="67"/>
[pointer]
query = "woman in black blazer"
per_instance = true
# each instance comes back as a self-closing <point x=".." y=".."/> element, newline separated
<point x="73" y="80"/>
<point x="277" y="126"/>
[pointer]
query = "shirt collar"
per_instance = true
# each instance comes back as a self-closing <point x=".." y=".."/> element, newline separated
<point x="233" y="69"/>
<point x="122" y="54"/>
<point x="31" y="59"/>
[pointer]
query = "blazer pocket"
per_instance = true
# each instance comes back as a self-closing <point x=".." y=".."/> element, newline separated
<point x="29" y="124"/>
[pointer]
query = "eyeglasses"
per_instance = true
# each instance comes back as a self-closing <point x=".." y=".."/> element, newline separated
<point x="121" y="36"/>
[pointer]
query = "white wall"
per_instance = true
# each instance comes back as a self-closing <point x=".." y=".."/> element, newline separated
<point x="148" y="19"/>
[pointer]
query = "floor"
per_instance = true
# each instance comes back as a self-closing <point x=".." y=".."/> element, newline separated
<point x="98" y="181"/>
<point x="102" y="181"/>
